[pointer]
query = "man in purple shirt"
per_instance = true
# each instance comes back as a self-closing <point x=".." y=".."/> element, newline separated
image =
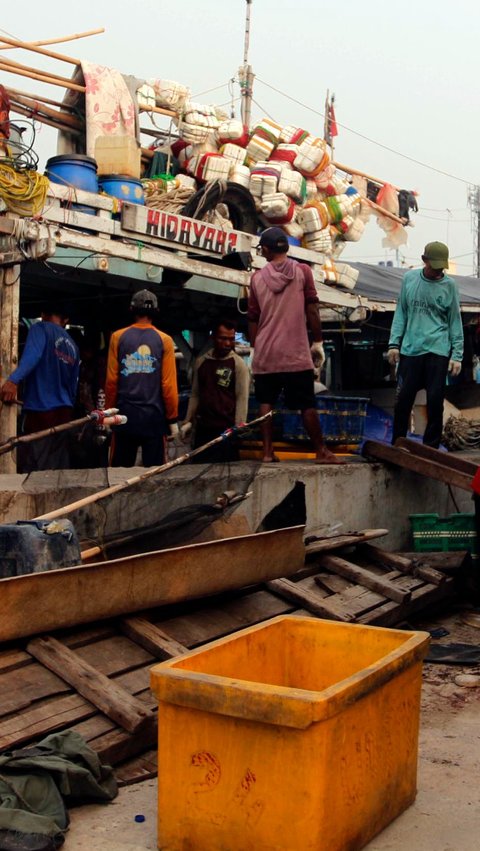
<point x="282" y="300"/>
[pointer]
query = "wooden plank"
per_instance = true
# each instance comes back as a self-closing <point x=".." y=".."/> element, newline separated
<point x="109" y="697"/>
<point x="153" y="639"/>
<point x="446" y="459"/>
<point x="9" y="314"/>
<point x="58" y="598"/>
<point x="334" y="542"/>
<point x="444" y="562"/>
<point x="415" y="464"/>
<point x="364" y="577"/>
<point x="139" y="768"/>
<point x="405" y="565"/>
<point x="391" y="613"/>
<point x="322" y="607"/>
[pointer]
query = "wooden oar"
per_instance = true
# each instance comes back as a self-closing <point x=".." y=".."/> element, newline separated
<point x="153" y="471"/>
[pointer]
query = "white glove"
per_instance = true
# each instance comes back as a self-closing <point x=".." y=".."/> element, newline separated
<point x="174" y="435"/>
<point x="393" y="356"/>
<point x="185" y="430"/>
<point x="454" y="367"/>
<point x="318" y="355"/>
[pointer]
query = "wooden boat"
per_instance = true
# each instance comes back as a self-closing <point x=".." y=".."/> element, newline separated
<point x="40" y="602"/>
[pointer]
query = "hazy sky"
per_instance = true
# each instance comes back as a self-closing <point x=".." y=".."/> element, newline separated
<point x="405" y="76"/>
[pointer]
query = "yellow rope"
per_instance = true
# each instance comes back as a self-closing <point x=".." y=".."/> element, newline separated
<point x="24" y="192"/>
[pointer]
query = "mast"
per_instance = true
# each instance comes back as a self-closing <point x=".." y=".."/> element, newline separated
<point x="246" y="75"/>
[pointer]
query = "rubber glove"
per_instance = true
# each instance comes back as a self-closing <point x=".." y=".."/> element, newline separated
<point x="454" y="367"/>
<point x="393" y="356"/>
<point x="318" y="355"/>
<point x="185" y="430"/>
<point x="174" y="435"/>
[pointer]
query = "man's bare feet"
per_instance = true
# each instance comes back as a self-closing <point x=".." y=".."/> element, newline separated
<point x="271" y="460"/>
<point x="324" y="456"/>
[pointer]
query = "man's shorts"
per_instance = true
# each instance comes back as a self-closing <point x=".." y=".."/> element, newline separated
<point x="297" y="388"/>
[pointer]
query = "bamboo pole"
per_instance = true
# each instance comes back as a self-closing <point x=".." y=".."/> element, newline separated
<point x="13" y="64"/>
<point x="60" y="40"/>
<point x="37" y="107"/>
<point x="13" y="442"/>
<point x="154" y="471"/>
<point x="382" y="212"/>
<point x="13" y="42"/>
<point x="348" y="170"/>
<point x="52" y="81"/>
<point x="28" y="113"/>
<point x="40" y="98"/>
<point x="158" y="110"/>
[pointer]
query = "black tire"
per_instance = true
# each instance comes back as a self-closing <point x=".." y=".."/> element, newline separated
<point x="240" y="203"/>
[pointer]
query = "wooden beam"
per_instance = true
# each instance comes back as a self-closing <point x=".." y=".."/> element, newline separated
<point x="151" y="638"/>
<point x="415" y="464"/>
<point x="9" y="317"/>
<point x="322" y="607"/>
<point x="315" y="545"/>
<point x="446" y="459"/>
<point x="52" y="81"/>
<point x="109" y="697"/>
<point x="365" y="577"/>
<point x="404" y="565"/>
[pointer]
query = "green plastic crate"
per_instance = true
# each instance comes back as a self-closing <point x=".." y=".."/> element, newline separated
<point x="432" y="533"/>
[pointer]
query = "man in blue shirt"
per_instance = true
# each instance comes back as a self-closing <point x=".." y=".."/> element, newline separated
<point x="426" y="341"/>
<point x="49" y="368"/>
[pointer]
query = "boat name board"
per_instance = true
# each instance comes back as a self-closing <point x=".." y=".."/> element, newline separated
<point x="180" y="229"/>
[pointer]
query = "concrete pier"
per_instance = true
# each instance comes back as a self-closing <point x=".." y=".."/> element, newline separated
<point x="357" y="495"/>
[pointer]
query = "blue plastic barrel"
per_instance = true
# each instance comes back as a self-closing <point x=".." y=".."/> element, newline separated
<point x="123" y="187"/>
<point x="74" y="170"/>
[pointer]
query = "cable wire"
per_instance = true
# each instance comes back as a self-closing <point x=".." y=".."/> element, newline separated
<point x="367" y="138"/>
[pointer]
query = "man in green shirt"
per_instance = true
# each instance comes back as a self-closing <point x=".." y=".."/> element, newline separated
<point x="426" y="341"/>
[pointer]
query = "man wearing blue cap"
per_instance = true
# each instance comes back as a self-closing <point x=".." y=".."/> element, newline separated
<point x="426" y="341"/>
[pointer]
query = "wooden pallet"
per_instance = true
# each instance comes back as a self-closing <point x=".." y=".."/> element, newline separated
<point x="95" y="680"/>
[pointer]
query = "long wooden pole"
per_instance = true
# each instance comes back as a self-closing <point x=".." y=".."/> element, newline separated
<point x="14" y="42"/>
<point x="37" y="107"/>
<point x="60" y="40"/>
<point x="348" y="170"/>
<point x="40" y="98"/>
<point x="28" y="113"/>
<point x="13" y="64"/>
<point x="52" y="81"/>
<point x="154" y="471"/>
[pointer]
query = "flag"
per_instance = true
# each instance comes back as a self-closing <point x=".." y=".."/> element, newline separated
<point x="330" y="127"/>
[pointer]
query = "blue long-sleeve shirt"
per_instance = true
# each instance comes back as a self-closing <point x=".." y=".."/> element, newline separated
<point x="427" y="318"/>
<point x="49" y="367"/>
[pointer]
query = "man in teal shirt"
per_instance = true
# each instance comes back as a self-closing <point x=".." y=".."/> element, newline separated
<point x="426" y="341"/>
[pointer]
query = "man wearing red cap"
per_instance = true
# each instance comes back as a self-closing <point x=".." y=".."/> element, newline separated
<point x="426" y="341"/>
<point x="282" y="300"/>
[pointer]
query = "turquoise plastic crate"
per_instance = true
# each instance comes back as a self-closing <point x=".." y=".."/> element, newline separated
<point x="432" y="533"/>
<point x="342" y="419"/>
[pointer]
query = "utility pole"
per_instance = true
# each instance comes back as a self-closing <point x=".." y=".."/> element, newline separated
<point x="245" y="73"/>
<point x="474" y="202"/>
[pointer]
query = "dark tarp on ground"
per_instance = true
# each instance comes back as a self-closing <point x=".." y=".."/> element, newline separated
<point x="382" y="283"/>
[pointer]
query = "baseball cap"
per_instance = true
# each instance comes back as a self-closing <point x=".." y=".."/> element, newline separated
<point x="144" y="300"/>
<point x="274" y="238"/>
<point x="437" y="255"/>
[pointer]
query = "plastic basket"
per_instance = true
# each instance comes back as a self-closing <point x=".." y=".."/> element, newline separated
<point x="432" y="533"/>
<point x="342" y="419"/>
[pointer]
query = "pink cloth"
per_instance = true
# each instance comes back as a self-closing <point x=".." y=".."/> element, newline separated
<point x="279" y="294"/>
<point x="109" y="108"/>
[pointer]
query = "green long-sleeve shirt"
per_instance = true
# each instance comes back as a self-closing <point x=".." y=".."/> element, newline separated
<point x="427" y="318"/>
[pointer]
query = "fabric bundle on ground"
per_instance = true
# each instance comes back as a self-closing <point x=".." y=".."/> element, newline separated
<point x="346" y="276"/>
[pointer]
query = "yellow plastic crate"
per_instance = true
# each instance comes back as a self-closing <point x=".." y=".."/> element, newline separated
<point x="295" y="734"/>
